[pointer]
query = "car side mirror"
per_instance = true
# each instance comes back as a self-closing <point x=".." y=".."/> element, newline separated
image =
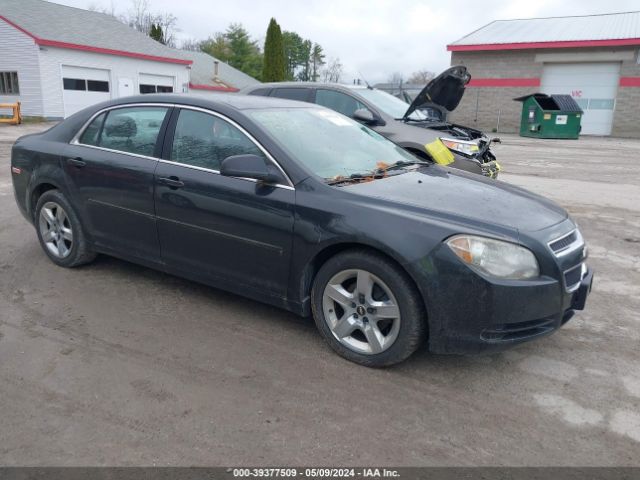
<point x="364" y="115"/>
<point x="249" y="166"/>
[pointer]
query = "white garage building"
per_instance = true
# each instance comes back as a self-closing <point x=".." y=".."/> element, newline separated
<point x="56" y="60"/>
<point x="594" y="58"/>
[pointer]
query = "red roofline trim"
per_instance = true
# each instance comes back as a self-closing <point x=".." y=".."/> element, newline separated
<point x="18" y="27"/>
<point x="216" y="88"/>
<point x="630" y="81"/>
<point x="504" y="82"/>
<point x="559" y="44"/>
<point x="108" y="51"/>
<point x="87" y="48"/>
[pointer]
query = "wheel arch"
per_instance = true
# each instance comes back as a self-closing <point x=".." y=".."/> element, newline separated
<point x="35" y="192"/>
<point x="321" y="257"/>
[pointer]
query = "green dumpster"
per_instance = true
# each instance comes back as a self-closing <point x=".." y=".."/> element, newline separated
<point x="549" y="116"/>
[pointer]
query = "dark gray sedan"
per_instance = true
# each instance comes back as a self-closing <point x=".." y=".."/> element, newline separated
<point x="300" y="207"/>
<point x="412" y="126"/>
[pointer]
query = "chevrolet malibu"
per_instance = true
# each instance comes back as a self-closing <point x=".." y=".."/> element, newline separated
<point x="295" y="205"/>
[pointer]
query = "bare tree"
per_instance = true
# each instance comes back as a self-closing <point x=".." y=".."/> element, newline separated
<point x="396" y="78"/>
<point x="421" y="77"/>
<point x="95" y="7"/>
<point x="333" y="71"/>
<point x="191" y="45"/>
<point x="142" y="19"/>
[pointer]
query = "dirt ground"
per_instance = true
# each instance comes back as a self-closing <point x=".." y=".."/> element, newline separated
<point x="115" y="364"/>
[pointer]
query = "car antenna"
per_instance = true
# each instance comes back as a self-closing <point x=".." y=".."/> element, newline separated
<point x="365" y="80"/>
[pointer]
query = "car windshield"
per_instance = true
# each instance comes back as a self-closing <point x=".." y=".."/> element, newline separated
<point x="331" y="145"/>
<point x="389" y="104"/>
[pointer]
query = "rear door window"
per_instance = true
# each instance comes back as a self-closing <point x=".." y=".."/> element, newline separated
<point x="263" y="92"/>
<point x="132" y="129"/>
<point x="299" y="94"/>
<point x="338" y="101"/>
<point x="205" y="140"/>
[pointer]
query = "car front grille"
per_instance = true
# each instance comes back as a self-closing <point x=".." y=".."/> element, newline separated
<point x="564" y="242"/>
<point x="573" y="277"/>
<point x="567" y="243"/>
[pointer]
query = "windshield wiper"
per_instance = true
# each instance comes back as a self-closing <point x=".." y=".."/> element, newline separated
<point x="354" y="178"/>
<point x="402" y="164"/>
<point x="375" y="174"/>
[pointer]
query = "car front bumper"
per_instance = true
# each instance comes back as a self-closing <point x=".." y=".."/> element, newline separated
<point x="470" y="314"/>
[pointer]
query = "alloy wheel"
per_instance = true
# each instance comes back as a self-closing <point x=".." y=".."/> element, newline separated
<point x="55" y="229"/>
<point x="361" y="311"/>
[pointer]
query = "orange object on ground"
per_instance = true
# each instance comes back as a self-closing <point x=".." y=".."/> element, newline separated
<point x="16" y="119"/>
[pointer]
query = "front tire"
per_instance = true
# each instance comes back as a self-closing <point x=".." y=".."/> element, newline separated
<point x="60" y="231"/>
<point x="368" y="309"/>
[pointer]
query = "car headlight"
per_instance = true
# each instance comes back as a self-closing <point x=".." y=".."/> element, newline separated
<point x="495" y="257"/>
<point x="461" y="146"/>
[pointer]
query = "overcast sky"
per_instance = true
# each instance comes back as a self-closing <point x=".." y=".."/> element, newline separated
<point x="375" y="37"/>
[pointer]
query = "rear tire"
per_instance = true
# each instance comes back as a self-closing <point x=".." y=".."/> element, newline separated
<point x="368" y="309"/>
<point x="60" y="231"/>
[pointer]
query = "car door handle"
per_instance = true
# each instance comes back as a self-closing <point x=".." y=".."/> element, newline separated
<point x="77" y="162"/>
<point x="171" y="182"/>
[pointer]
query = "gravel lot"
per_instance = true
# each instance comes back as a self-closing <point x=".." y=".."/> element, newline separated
<point x="117" y="364"/>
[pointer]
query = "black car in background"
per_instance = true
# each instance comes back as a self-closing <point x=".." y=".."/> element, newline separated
<point x="298" y="206"/>
<point x="412" y="126"/>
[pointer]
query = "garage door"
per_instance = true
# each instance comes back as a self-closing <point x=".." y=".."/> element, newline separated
<point x="83" y="87"/>
<point x="592" y="85"/>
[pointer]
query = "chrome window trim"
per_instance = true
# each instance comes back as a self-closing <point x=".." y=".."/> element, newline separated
<point x="76" y="140"/>
<point x="577" y="244"/>
<point x="217" y="172"/>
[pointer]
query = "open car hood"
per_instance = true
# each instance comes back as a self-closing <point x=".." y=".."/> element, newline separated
<point x="446" y="90"/>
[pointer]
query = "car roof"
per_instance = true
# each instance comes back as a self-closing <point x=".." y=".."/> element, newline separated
<point x="236" y="101"/>
<point x="333" y="86"/>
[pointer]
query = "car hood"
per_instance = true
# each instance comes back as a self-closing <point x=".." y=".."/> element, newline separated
<point x="446" y="90"/>
<point x="462" y="195"/>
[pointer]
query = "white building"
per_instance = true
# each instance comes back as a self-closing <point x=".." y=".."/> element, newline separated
<point x="56" y="60"/>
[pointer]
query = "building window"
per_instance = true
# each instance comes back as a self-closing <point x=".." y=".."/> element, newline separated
<point x="84" y="85"/>
<point x="97" y="86"/>
<point x="146" y="88"/>
<point x="74" y="83"/>
<point x="9" y="83"/>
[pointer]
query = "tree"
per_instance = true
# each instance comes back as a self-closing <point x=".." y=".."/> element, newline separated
<point x="217" y="46"/>
<point x="156" y="33"/>
<point x="274" y="61"/>
<point x="292" y="43"/>
<point x="317" y="61"/>
<point x="191" y="45"/>
<point x="421" y="77"/>
<point x="303" y="58"/>
<point x="304" y="75"/>
<point x="396" y="78"/>
<point x="236" y="48"/>
<point x="333" y="71"/>
<point x="141" y="19"/>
